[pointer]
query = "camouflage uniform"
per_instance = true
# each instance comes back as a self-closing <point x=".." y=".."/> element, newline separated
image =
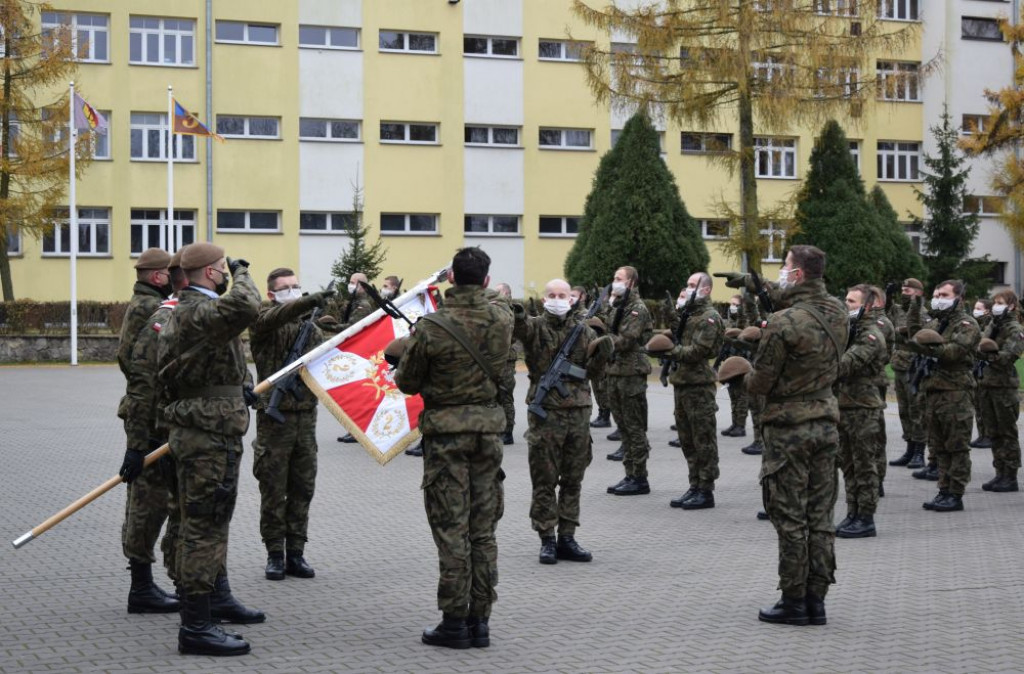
<point x="284" y="455"/>
<point x="508" y="385"/>
<point x="795" y="367"/>
<point x="207" y="418"/>
<point x="600" y="382"/>
<point x="461" y="423"/>
<point x="998" y="392"/>
<point x="626" y="377"/>
<point x="888" y="331"/>
<point x="693" y="382"/>
<point x="560" y="445"/>
<point x="979" y="418"/>
<point x="361" y="305"/>
<point x="911" y="405"/>
<point x="948" y="392"/>
<point x="752" y="315"/>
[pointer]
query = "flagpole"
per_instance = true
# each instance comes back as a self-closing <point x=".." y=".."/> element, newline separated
<point x="73" y="225"/>
<point x="172" y="238"/>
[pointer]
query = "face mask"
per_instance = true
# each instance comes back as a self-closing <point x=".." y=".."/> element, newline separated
<point x="784" y="281"/>
<point x="352" y="288"/>
<point x="978" y="313"/>
<point x="573" y="301"/>
<point x="854" y="313"/>
<point x="733" y="309"/>
<point x="287" y="295"/>
<point x="905" y="301"/>
<point x="222" y="287"/>
<point x="556" y="307"/>
<point x="680" y="303"/>
<point x="999" y="309"/>
<point x="618" y="288"/>
<point x="942" y="303"/>
<point x="387" y="293"/>
<point x="166" y="290"/>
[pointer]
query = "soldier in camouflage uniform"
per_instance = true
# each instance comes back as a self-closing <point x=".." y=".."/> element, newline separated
<point x="999" y="391"/>
<point x="859" y="399"/>
<point x="983" y="315"/>
<point x="910" y="403"/>
<point x="508" y="378"/>
<point x="284" y="453"/>
<point x="461" y="425"/>
<point x="342" y="313"/>
<point x="560" y="444"/>
<point x="753" y="317"/>
<point x="739" y="404"/>
<point x="631" y="328"/>
<point x="202" y="365"/>
<point x="948" y="390"/>
<point x="797" y="363"/>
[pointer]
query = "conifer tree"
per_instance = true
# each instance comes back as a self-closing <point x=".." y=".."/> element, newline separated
<point x="359" y="256"/>
<point x="906" y="263"/>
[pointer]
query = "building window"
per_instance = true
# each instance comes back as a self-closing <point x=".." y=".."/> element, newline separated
<point x="775" y="243"/>
<point x="982" y="205"/>
<point x="149" y="139"/>
<point x="235" y="126"/>
<point x="408" y="223"/>
<point x="505" y="136"/>
<point x="413" y="133"/>
<point x="855" y="153"/>
<point x="972" y="124"/>
<point x="13" y="240"/>
<point x="240" y="32"/>
<point x="899" y="10"/>
<point x="90" y="34"/>
<point x="772" y="69"/>
<point x="914" y="234"/>
<point x="977" y="28"/>
<point x="836" y="7"/>
<point x="559" y="225"/>
<point x="566" y="139"/>
<point x="93" y="233"/>
<point x="99" y="142"/>
<point x="314" y="222"/>
<point x="499" y="47"/>
<point x="422" y="43"/>
<point x="159" y="41"/>
<point x="775" y="157"/>
<point x="311" y="128"/>
<point x="705" y="143"/>
<point x="328" y="37"/>
<point x="149" y="229"/>
<point x="898" y="161"/>
<point x="899" y="81"/>
<point x="714" y="229"/>
<point x="248" y="221"/>
<point x="998" y="274"/>
<point x="491" y="224"/>
<point x="837" y="82"/>
<point x="562" y="50"/>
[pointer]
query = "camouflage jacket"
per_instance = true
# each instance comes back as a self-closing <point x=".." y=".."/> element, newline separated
<point x="700" y="342"/>
<point x="217" y="324"/>
<point x="362" y="306"/>
<point x="888" y="331"/>
<point x="954" y="369"/>
<point x="1001" y="371"/>
<point x="542" y="336"/>
<point x="271" y="338"/>
<point x="862" y="363"/>
<point x="145" y="300"/>
<point x="458" y="396"/>
<point x="796" y="362"/>
<point x="629" y="338"/>
<point x="143" y="396"/>
<point x="901" y="353"/>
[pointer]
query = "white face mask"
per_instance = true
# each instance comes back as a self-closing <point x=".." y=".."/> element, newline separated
<point x="287" y="295"/>
<point x="999" y="309"/>
<point x="784" y="281"/>
<point x="734" y="309"/>
<point x="352" y="288"/>
<point x="978" y="313"/>
<point x="387" y="293"/>
<point x="680" y="303"/>
<point x="618" y="288"/>
<point x="557" y="307"/>
<point x="854" y="312"/>
<point x="942" y="303"/>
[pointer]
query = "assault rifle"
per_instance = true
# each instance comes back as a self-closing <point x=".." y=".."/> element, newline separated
<point x="762" y="295"/>
<point x="386" y="305"/>
<point x="684" y="316"/>
<point x="560" y="368"/>
<point x="921" y="367"/>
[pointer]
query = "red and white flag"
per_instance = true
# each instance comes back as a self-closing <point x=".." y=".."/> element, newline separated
<point x="355" y="383"/>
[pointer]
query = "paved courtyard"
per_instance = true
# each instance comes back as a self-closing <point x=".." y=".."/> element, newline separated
<point x="668" y="591"/>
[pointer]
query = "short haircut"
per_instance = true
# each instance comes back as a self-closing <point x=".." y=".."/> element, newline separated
<point x="393" y="280"/>
<point x="631" y="273"/>
<point x="737" y="297"/>
<point x="280" y="272"/>
<point x="195" y="275"/>
<point x="879" y="295"/>
<point x="985" y="302"/>
<point x="956" y="284"/>
<point x="143" y="274"/>
<point x="705" y="280"/>
<point x="1007" y="296"/>
<point x="470" y="266"/>
<point x="809" y="258"/>
<point x="178" y="276"/>
<point x="579" y="289"/>
<point x="867" y="294"/>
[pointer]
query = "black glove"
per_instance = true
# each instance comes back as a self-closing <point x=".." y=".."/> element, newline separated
<point x="251" y="397"/>
<point x="132" y="465"/>
<point x="734" y="279"/>
<point x="892" y="289"/>
<point x="234" y="264"/>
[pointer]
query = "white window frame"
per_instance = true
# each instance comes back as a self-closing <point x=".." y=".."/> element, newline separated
<point x="72" y="21"/>
<point x="705" y="234"/>
<point x="570" y="51"/>
<point x="407" y="133"/>
<point x="490" y="136"/>
<point x="182" y="142"/>
<point x="904" y="160"/>
<point x="915" y="234"/>
<point x="708" y="142"/>
<point x="563" y="145"/>
<point x="246" y="38"/>
<point x="847" y="8"/>
<point x="406" y="39"/>
<point x="181" y="220"/>
<point x="246" y="124"/>
<point x="489" y="221"/>
<point x="986" y="205"/>
<point x="781" y="152"/>
<point x="328" y="38"/>
<point x="490" y="47"/>
<point x="328" y="125"/>
<point x="769" y="67"/>
<point x="334" y="222"/>
<point x="980" y="122"/>
<point x="14" y="241"/>
<point x="775" y="235"/>
<point x="900" y="10"/>
<point x="899" y="81"/>
<point x="87" y="218"/>
<point x="162" y="33"/>
<point x="855" y="146"/>
<point x="846" y="78"/>
<point x="407" y="227"/>
<point x="564" y="225"/>
<point x="61" y="136"/>
<point x="248" y="228"/>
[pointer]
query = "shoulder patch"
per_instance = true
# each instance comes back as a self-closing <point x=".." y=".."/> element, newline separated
<point x="965" y="322"/>
<point x="711" y="321"/>
<point x="880" y="322"/>
<point x="157" y="327"/>
<point x="634" y="313"/>
<point x="872" y="338"/>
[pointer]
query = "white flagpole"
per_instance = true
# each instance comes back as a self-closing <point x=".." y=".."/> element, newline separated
<point x="73" y="225"/>
<point x="172" y="238"/>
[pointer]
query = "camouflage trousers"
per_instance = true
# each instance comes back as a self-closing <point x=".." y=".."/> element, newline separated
<point x="739" y="403"/>
<point x="798" y="483"/>
<point x="949" y="415"/>
<point x="756" y="404"/>
<point x="881" y="459"/>
<point x="695" y="423"/>
<point x="505" y="398"/>
<point x="464" y="497"/>
<point x="912" y="410"/>
<point x="284" y="464"/>
<point x="858" y="458"/>
<point x="149" y="503"/>
<point x="207" y="472"/>
<point x="600" y="387"/>
<point x="628" y="398"/>
<point x="979" y="415"/>
<point x="1000" y="408"/>
<point x="560" y="451"/>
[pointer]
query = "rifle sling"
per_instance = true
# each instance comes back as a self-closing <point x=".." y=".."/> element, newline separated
<point x="461" y="338"/>
<point x="824" y="324"/>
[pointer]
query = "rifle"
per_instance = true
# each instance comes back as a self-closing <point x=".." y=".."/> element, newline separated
<point x="853" y="325"/>
<point x="684" y="316"/>
<point x="348" y="308"/>
<point x="762" y="295"/>
<point x="728" y="350"/>
<point x="291" y="383"/>
<point x="922" y="366"/>
<point x="560" y="368"/>
<point x="387" y="305"/>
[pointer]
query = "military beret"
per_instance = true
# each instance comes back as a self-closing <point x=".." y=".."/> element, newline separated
<point x="732" y="333"/>
<point x="597" y="324"/>
<point x="667" y="332"/>
<point x="153" y="258"/>
<point x="175" y="262"/>
<point x="603" y="344"/>
<point x="659" y="343"/>
<point x="750" y="334"/>
<point x="988" y="346"/>
<point x="394" y="350"/>
<point x="913" y="283"/>
<point x="732" y="367"/>
<point x="927" y="336"/>
<point x="199" y="255"/>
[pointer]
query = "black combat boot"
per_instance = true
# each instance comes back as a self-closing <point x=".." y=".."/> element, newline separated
<point x="226" y="609"/>
<point x="881" y="489"/>
<point x="735" y="431"/>
<point x="787" y="611"/>
<point x="678" y="502"/>
<point x="917" y="460"/>
<point x="1006" y="483"/>
<point x="275" y="566"/>
<point x="634" y="486"/>
<point x="949" y="503"/>
<point x="618" y="455"/>
<point x="571" y="551"/>
<point x="815" y="609"/>
<point x="907" y="455"/>
<point x="199" y="636"/>
<point x="987" y="486"/>
<point x="603" y="419"/>
<point x="704" y="498"/>
<point x="862" y="526"/>
<point x="295" y="565"/>
<point x="479" y="632"/>
<point x="144" y="596"/>
<point x="981" y="442"/>
<point x="851" y="515"/>
<point x="416" y="450"/>
<point x="755" y="448"/>
<point x="929" y="472"/>
<point x="506" y="438"/>
<point x="451" y="632"/>
<point x="674" y="442"/>
<point x="615" y="435"/>
<point x="347" y="438"/>
<point x="548" y="554"/>
<point x="762" y="515"/>
<point x="930" y="505"/>
<point x="620" y="483"/>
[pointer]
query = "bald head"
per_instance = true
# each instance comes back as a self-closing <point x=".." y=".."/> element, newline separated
<point x="353" y="283"/>
<point x="698" y="281"/>
<point x="557" y="289"/>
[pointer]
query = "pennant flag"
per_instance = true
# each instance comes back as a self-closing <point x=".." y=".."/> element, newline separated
<point x="86" y="117"/>
<point x="355" y="383"/>
<point x="187" y="123"/>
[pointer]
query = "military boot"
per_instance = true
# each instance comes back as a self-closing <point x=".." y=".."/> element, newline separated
<point x="199" y="636"/>
<point x="569" y="550"/>
<point x="295" y="565"/>
<point x="506" y="438"/>
<point x="929" y="472"/>
<point x="275" y="566"/>
<point x="479" y="632"/>
<point x="674" y="442"/>
<point x="416" y="450"/>
<point x="620" y="483"/>
<point x="851" y="515"/>
<point x="917" y="460"/>
<point x="786" y="611"/>
<point x="678" y="502"/>
<point x="615" y="435"/>
<point x="862" y="526"/>
<point x="815" y="609"/>
<point x="702" y="499"/>
<point x="603" y="419"/>
<point x="226" y="609"/>
<point x="950" y="503"/>
<point x="451" y="632"/>
<point x="548" y="554"/>
<point x="618" y="455"/>
<point x="634" y="486"/>
<point x="755" y="448"/>
<point x="144" y="596"/>
<point x="763" y="516"/>
<point x="735" y="431"/>
<point x="981" y="442"/>
<point x="987" y="486"/>
<point x="907" y="455"/>
<point x="930" y="505"/>
<point x="1005" y="484"/>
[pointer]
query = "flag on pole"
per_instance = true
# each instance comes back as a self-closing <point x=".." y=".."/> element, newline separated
<point x="187" y="123"/>
<point x="355" y="383"/>
<point x="86" y="117"/>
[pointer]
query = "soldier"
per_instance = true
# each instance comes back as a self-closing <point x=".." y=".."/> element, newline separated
<point x="859" y="401"/>
<point x="885" y="326"/>
<point x="631" y="329"/>
<point x="508" y="378"/>
<point x="738" y="402"/>
<point x="391" y="287"/>
<point x="948" y="385"/>
<point x="358" y="307"/>
<point x="983" y="314"/>
<point x="560" y="444"/>
<point x="284" y="453"/>
<point x="452" y="360"/>
<point x="909" y="402"/>
<point x="797" y="363"/>
<point x="202" y="365"/>
<point x="998" y="392"/>
<point x="147" y="496"/>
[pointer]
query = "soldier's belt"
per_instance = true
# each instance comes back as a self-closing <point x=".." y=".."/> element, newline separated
<point x="211" y="392"/>
<point x="820" y="394"/>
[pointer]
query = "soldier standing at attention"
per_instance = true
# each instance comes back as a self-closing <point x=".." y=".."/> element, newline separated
<point x="560" y="444"/>
<point x="877" y="313"/>
<point x="796" y="365"/>
<point x="453" y="360"/>
<point x="626" y="377"/>
<point x="738" y="403"/>
<point x="508" y="378"/>
<point x="983" y="315"/>
<point x="202" y="364"/>
<point x="284" y="453"/>
<point x="910" y="403"/>
<point x="998" y="392"/>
